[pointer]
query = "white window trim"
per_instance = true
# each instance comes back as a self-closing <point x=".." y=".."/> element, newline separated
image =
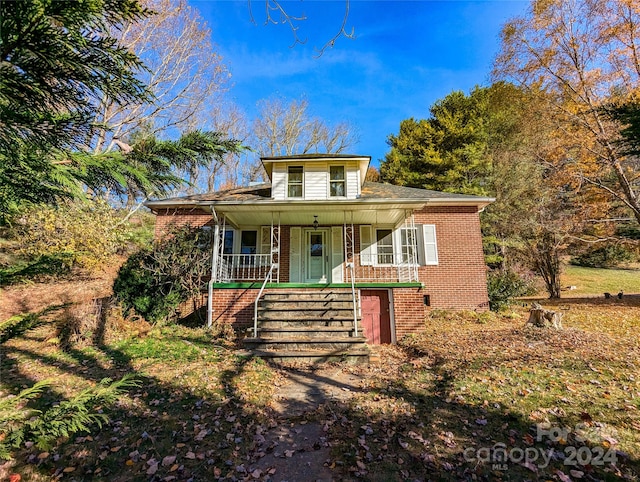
<point x="429" y="238"/>
<point x="426" y="244"/>
<point x="302" y="184"/>
<point x="344" y="167"/>
<point x="398" y="240"/>
<point x="374" y="245"/>
<point x="237" y="238"/>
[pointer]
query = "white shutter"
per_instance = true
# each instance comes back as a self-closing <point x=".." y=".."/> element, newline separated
<point x="366" y="251"/>
<point x="295" y="254"/>
<point x="265" y="240"/>
<point x="429" y="244"/>
<point x="265" y="244"/>
<point x="337" y="254"/>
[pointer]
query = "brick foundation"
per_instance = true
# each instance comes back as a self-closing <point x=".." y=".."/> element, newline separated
<point x="409" y="310"/>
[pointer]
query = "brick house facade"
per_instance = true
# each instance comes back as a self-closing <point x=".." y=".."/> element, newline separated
<point x="318" y="226"/>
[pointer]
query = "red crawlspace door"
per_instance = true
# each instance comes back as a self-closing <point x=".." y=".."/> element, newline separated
<point x="376" y="320"/>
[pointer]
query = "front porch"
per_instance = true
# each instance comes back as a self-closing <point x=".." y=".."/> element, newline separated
<point x="316" y="272"/>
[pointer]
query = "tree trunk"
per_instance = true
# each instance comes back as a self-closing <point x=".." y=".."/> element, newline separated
<point x="541" y="318"/>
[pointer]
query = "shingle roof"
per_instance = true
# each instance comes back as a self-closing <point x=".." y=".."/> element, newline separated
<point x="371" y="191"/>
<point x="378" y="190"/>
<point x="245" y="193"/>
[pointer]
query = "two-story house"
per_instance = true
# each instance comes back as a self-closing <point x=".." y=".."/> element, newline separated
<point x="319" y="232"/>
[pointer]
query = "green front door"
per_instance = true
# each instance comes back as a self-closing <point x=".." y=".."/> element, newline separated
<point x="316" y="256"/>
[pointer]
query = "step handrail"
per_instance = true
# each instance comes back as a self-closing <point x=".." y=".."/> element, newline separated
<point x="255" y="304"/>
<point x="353" y="295"/>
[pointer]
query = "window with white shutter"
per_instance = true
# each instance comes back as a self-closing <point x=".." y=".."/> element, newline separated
<point x="429" y="245"/>
<point x="366" y="251"/>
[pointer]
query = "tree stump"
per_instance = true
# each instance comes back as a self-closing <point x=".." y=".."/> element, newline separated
<point x="542" y="318"/>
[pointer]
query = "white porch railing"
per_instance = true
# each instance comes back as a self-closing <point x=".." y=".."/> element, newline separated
<point x="382" y="268"/>
<point x="244" y="267"/>
<point x="366" y="268"/>
<point x="257" y="300"/>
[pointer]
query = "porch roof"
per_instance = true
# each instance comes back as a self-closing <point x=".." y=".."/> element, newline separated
<point x="378" y="204"/>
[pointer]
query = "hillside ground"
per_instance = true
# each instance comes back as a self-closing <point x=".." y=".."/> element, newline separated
<point x="472" y="397"/>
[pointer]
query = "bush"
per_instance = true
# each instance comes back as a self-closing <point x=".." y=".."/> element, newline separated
<point x="20" y="423"/>
<point x="154" y="282"/>
<point x="608" y="256"/>
<point x="504" y="285"/>
<point x="77" y="235"/>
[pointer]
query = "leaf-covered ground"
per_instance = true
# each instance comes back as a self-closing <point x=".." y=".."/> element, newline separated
<point x="470" y="398"/>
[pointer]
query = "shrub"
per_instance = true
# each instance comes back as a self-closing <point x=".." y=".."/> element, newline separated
<point x="82" y="235"/>
<point x="504" y="285"/>
<point x="608" y="256"/>
<point x="154" y="282"/>
<point x="19" y="422"/>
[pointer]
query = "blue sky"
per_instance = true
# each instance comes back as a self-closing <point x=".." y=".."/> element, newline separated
<point x="406" y="55"/>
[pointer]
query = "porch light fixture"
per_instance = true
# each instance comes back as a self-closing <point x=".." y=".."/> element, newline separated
<point x="315" y="222"/>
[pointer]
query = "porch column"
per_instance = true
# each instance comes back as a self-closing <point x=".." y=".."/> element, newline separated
<point x="214" y="266"/>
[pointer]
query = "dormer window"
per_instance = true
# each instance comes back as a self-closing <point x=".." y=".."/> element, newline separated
<point x="294" y="181"/>
<point x="337" y="186"/>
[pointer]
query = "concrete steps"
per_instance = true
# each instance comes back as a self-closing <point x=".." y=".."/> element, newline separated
<point x="311" y="326"/>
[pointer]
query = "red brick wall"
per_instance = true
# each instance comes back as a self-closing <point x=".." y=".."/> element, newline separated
<point x="409" y="310"/>
<point x="235" y="306"/>
<point x="171" y="218"/>
<point x="459" y="281"/>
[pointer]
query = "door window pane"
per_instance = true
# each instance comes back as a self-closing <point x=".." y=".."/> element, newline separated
<point x="316" y="245"/>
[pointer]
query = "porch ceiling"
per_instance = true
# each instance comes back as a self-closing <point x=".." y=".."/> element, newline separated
<point x="303" y="215"/>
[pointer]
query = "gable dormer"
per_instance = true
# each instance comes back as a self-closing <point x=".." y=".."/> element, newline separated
<point x="316" y="176"/>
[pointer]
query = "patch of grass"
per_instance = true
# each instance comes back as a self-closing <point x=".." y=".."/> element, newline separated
<point x="596" y="281"/>
<point x="197" y="401"/>
<point x="168" y="344"/>
<point x="464" y="386"/>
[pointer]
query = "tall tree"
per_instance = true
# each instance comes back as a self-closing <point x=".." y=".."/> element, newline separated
<point x="56" y="58"/>
<point x="183" y="71"/>
<point x="496" y="141"/>
<point x="288" y="128"/>
<point x="582" y="54"/>
<point x="448" y="151"/>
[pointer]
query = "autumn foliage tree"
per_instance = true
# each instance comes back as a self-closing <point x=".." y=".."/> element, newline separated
<point x="581" y="55"/>
<point x="496" y="141"/>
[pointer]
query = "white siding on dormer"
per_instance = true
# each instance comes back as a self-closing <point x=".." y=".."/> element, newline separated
<point x="279" y="181"/>
<point x="353" y="183"/>
<point x="316" y="180"/>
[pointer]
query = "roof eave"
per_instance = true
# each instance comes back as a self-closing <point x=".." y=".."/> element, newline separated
<point x="480" y="203"/>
